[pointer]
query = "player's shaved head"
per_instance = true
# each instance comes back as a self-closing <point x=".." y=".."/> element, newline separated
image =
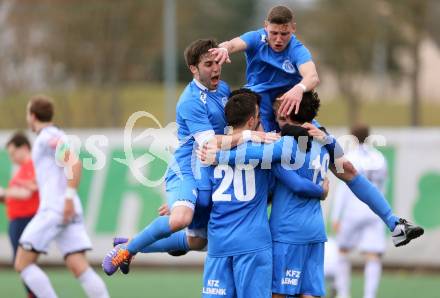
<point x="280" y="14"/>
<point x="42" y="107"/>
<point x="361" y="132"/>
<point x="197" y="49"/>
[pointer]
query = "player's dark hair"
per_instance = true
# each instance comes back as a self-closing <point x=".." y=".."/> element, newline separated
<point x="361" y="132"/>
<point x="247" y="91"/>
<point x="42" y="107"/>
<point x="240" y="108"/>
<point x="19" y="139"/>
<point x="308" y="108"/>
<point x="280" y="15"/>
<point x="196" y="49"/>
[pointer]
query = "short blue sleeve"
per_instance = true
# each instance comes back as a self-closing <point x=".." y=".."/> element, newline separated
<point x="195" y="115"/>
<point x="301" y="54"/>
<point x="251" y="39"/>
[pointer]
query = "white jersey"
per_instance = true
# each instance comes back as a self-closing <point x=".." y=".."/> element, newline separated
<point x="51" y="180"/>
<point x="369" y="162"/>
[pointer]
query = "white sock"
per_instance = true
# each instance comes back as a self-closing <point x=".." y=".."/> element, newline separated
<point x="373" y="271"/>
<point x="92" y="284"/>
<point x="38" y="282"/>
<point x="343" y="274"/>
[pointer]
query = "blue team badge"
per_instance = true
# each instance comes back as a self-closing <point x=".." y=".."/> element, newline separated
<point x="288" y="66"/>
<point x="224" y="101"/>
<point x="203" y="97"/>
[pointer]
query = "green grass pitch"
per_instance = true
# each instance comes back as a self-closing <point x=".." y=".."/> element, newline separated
<point x="186" y="283"/>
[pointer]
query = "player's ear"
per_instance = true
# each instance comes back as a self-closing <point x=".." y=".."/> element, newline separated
<point x="293" y="27"/>
<point x="193" y="69"/>
<point x="265" y="24"/>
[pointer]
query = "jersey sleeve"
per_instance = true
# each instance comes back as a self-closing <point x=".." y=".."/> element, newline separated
<point x="301" y="54"/>
<point x="251" y="39"/>
<point x="204" y="179"/>
<point x="297" y="184"/>
<point x="194" y="113"/>
<point x="283" y="150"/>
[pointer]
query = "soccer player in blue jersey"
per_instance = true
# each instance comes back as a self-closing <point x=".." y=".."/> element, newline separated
<point x="200" y="118"/>
<point x="276" y="63"/>
<point x="297" y="224"/>
<point x="239" y="261"/>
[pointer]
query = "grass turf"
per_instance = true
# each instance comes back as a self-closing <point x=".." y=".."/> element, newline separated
<point x="169" y="283"/>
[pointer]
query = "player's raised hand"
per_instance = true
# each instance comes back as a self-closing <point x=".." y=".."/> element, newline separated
<point x="264" y="137"/>
<point x="291" y="100"/>
<point x="207" y="153"/>
<point x="315" y="132"/>
<point x="221" y="55"/>
<point x="69" y="210"/>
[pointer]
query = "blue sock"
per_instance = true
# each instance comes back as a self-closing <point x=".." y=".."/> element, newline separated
<point x="177" y="241"/>
<point x="156" y="230"/>
<point x="370" y="195"/>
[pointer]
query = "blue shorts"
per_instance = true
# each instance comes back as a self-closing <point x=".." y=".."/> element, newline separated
<point x="181" y="191"/>
<point x="298" y="269"/>
<point x="241" y="276"/>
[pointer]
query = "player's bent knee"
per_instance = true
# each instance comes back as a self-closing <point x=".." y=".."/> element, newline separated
<point x="197" y="243"/>
<point x="77" y="263"/>
<point x="180" y="218"/>
<point x="23" y="259"/>
<point x="369" y="256"/>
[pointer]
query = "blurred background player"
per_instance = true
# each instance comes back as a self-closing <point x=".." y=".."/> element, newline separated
<point x="276" y="63"/>
<point x="21" y="195"/>
<point x="355" y="224"/>
<point x="59" y="216"/>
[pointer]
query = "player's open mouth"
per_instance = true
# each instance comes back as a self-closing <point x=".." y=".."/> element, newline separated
<point x="215" y="79"/>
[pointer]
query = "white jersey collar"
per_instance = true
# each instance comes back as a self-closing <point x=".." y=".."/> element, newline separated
<point x="202" y="87"/>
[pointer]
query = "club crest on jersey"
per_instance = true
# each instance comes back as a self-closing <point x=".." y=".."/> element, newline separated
<point x="224" y="101"/>
<point x="288" y="66"/>
<point x="263" y="38"/>
<point x="203" y="97"/>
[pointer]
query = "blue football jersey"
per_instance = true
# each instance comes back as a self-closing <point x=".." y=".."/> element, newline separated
<point x="239" y="222"/>
<point x="294" y="218"/>
<point x="266" y="69"/>
<point x="197" y="110"/>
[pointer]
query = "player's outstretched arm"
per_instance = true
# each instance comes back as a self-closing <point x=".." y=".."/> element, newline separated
<point x="227" y="142"/>
<point x="226" y="48"/>
<point x="264" y="153"/>
<point x="297" y="184"/>
<point x="292" y="98"/>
